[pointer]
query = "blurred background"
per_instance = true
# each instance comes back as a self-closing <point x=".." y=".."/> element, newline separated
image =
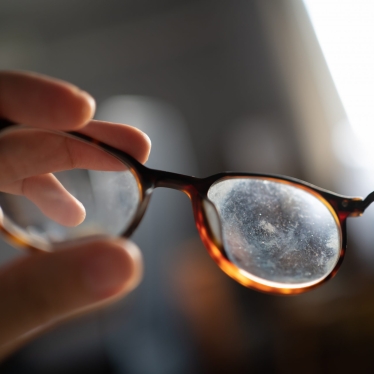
<point x="275" y="86"/>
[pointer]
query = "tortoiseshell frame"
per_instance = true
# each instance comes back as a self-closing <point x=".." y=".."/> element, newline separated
<point x="197" y="189"/>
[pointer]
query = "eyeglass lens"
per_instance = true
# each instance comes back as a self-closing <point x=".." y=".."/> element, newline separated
<point x="110" y="199"/>
<point x="276" y="231"/>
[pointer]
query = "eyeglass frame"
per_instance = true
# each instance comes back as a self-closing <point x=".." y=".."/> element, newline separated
<point x="197" y="189"/>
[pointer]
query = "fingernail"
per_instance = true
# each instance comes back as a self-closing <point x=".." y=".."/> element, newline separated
<point x="107" y="272"/>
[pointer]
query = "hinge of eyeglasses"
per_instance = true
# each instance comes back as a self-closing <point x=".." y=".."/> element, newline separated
<point x="356" y="206"/>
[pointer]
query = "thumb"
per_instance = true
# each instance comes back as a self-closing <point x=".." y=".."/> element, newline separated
<point x="40" y="290"/>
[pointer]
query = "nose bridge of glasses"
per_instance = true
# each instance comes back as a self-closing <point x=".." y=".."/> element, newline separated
<point x="180" y="182"/>
<point x="356" y="206"/>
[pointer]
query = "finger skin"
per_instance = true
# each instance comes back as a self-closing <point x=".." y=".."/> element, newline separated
<point x="40" y="101"/>
<point x="45" y="102"/>
<point x="41" y="290"/>
<point x="28" y="152"/>
<point x="127" y="138"/>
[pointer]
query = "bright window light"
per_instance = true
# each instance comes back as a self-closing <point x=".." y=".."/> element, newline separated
<point x="345" y="31"/>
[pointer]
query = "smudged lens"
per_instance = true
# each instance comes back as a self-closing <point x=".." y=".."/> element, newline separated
<point x="276" y="231"/>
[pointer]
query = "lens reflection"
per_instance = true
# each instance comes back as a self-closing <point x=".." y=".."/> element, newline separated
<point x="276" y="231"/>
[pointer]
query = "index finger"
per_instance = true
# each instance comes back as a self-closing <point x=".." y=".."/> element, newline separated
<point x="40" y="101"/>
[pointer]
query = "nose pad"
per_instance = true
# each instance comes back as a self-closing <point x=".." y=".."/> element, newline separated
<point x="213" y="221"/>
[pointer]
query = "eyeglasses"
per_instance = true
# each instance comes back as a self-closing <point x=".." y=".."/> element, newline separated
<point x="272" y="233"/>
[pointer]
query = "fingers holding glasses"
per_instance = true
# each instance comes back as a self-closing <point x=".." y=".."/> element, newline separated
<point x="44" y="102"/>
<point x="27" y="152"/>
<point x="28" y="156"/>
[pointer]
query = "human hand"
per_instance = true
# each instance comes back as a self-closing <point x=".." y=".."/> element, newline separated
<point x="41" y="290"/>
